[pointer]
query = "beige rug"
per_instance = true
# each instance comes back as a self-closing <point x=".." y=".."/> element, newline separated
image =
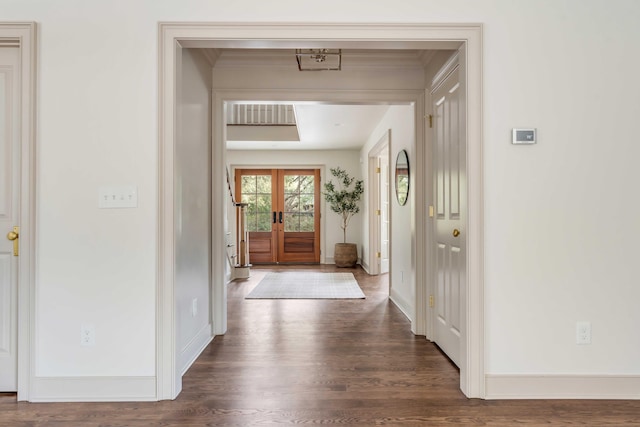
<point x="307" y="285"/>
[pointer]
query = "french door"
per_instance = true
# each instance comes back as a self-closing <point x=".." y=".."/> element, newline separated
<point x="283" y="214"/>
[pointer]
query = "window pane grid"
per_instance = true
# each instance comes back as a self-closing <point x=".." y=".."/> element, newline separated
<point x="299" y="203"/>
<point x="256" y="192"/>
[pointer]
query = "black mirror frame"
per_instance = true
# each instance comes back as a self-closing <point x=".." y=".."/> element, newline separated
<point x="401" y="172"/>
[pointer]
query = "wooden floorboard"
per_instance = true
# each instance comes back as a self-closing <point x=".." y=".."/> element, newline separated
<point x="321" y="362"/>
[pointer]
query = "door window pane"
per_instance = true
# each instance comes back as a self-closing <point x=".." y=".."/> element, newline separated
<point x="299" y="199"/>
<point x="256" y="192"/>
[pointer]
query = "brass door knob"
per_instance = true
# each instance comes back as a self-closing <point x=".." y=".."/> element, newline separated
<point x="456" y="232"/>
<point x="13" y="235"/>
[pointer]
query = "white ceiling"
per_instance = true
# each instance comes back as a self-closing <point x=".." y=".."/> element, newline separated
<point x="321" y="125"/>
<point x="325" y="127"/>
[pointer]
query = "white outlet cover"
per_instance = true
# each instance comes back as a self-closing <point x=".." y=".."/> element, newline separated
<point x="583" y="332"/>
<point x="87" y="335"/>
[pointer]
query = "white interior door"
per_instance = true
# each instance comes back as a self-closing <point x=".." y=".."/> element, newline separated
<point x="9" y="211"/>
<point x="450" y="212"/>
<point x="383" y="164"/>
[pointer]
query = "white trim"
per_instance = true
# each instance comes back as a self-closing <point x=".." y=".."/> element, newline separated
<point x="166" y="364"/>
<point x="279" y="35"/>
<point x="401" y="303"/>
<point x="195" y="347"/>
<point x="419" y="221"/>
<point x="444" y="72"/>
<point x="554" y="386"/>
<point x="24" y="35"/>
<point x="365" y="267"/>
<point x="381" y="146"/>
<point x="93" y="389"/>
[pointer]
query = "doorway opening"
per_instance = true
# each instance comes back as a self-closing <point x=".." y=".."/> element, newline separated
<point x="177" y="36"/>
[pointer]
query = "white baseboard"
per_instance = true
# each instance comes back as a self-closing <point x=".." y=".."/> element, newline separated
<point x="331" y="260"/>
<point x="562" y="386"/>
<point x="365" y="267"/>
<point x="192" y="350"/>
<point x="93" y="389"/>
<point x="401" y="303"/>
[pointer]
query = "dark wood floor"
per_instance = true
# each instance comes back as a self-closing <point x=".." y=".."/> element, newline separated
<point x="319" y="362"/>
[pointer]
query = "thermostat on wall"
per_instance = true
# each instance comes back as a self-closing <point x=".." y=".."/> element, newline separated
<point x="523" y="136"/>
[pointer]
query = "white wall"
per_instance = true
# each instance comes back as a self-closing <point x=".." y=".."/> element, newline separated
<point x="561" y="226"/>
<point x="401" y="120"/>
<point x="330" y="231"/>
<point x="193" y="208"/>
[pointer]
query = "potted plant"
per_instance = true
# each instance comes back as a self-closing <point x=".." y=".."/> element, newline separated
<point x="343" y="199"/>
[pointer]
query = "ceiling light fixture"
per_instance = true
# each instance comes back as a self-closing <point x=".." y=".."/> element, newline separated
<point x="319" y="59"/>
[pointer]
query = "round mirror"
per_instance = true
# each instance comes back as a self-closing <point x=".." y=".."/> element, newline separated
<point x="402" y="177"/>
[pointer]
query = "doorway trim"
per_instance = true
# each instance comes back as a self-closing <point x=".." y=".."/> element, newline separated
<point x="23" y="36"/>
<point x="173" y="35"/>
<point x="374" y="201"/>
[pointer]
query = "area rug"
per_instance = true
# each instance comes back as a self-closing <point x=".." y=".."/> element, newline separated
<point x="306" y="285"/>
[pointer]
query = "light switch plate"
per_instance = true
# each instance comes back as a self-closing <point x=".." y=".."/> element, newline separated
<point x="123" y="196"/>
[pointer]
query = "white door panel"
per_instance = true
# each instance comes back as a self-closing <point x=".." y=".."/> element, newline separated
<point x="450" y="213"/>
<point x="9" y="202"/>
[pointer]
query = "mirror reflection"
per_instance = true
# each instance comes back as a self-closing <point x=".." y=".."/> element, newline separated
<point x="402" y="177"/>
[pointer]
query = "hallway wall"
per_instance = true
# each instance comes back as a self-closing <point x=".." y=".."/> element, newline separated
<point x="560" y="221"/>
<point x="400" y="119"/>
<point x="193" y="210"/>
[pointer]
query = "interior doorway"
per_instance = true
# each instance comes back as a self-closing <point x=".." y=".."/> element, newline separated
<point x="175" y="36"/>
<point x="379" y="206"/>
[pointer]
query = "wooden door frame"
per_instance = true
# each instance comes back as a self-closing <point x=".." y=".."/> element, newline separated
<point x="23" y="36"/>
<point x="172" y="36"/>
<point x="275" y="173"/>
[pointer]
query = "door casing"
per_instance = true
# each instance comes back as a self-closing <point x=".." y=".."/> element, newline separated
<point x="23" y="36"/>
<point x="174" y="36"/>
<point x="381" y="147"/>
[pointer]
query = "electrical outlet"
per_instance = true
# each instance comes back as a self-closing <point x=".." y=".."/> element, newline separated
<point x="194" y="307"/>
<point x="583" y="332"/>
<point x="87" y="335"/>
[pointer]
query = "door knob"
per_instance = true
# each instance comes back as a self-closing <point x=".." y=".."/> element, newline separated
<point x="13" y="236"/>
<point x="456" y="232"/>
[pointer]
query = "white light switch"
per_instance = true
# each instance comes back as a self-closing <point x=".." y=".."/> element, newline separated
<point x="124" y="196"/>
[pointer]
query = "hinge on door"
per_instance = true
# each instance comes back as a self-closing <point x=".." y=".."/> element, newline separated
<point x="430" y="121"/>
<point x="378" y="212"/>
<point x="431" y="301"/>
<point x="430" y="211"/>
<point x="378" y="254"/>
<point x="377" y="170"/>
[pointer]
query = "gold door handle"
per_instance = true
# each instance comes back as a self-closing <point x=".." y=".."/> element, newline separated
<point x="456" y="232"/>
<point x="13" y="236"/>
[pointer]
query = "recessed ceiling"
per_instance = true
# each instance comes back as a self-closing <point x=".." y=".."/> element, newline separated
<point x="325" y="127"/>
